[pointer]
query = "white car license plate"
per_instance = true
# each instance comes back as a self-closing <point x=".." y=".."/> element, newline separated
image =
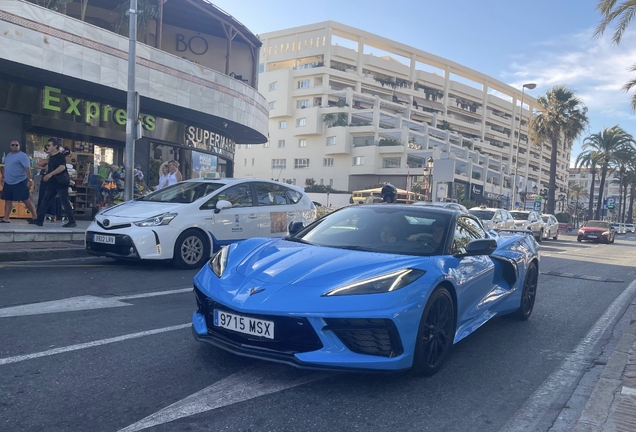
<point x="241" y="324"/>
<point x="591" y="235"/>
<point x="98" y="238"/>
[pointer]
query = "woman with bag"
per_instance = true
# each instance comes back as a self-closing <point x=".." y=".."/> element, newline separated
<point x="58" y="180"/>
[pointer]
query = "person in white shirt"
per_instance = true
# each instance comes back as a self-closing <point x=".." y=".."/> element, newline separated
<point x="163" y="179"/>
<point x="174" y="176"/>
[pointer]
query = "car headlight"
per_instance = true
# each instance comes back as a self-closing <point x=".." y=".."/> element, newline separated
<point x="218" y="263"/>
<point x="162" y="219"/>
<point x="380" y="284"/>
<point x="606" y="233"/>
<point x="581" y="232"/>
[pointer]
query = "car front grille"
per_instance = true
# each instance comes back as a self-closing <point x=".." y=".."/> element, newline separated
<point x="378" y="337"/>
<point x="291" y="334"/>
<point x="122" y="246"/>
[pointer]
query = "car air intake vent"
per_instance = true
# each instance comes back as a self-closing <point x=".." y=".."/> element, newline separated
<point x="377" y="337"/>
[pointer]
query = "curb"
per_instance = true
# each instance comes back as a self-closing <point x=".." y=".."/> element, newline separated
<point x="600" y="413"/>
<point x="42" y="254"/>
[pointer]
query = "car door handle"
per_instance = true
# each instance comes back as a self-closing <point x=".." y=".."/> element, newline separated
<point x="253" y="216"/>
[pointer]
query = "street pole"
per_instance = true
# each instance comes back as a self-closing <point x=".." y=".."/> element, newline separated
<point x="514" y="179"/>
<point x="131" y="105"/>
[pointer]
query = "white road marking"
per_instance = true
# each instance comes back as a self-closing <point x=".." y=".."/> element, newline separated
<point x="628" y="391"/>
<point x="81" y="346"/>
<point x="249" y="383"/>
<point x="75" y="304"/>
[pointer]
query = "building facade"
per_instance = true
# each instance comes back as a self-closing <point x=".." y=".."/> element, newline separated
<point x="611" y="190"/>
<point x="350" y="109"/>
<point x="196" y="76"/>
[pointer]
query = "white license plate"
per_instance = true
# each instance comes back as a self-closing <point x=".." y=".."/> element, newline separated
<point x="241" y="324"/>
<point x="591" y="235"/>
<point x="98" y="238"/>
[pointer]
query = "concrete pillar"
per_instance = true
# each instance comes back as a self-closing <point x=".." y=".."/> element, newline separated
<point x="327" y="47"/>
<point x="412" y="70"/>
<point x="484" y="111"/>
<point x="358" y="87"/>
<point x="360" y="58"/>
<point x="446" y="87"/>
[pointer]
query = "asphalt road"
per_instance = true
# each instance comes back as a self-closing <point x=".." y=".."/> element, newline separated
<point x="119" y="355"/>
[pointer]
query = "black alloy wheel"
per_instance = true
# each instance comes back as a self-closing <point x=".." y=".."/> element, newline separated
<point x="528" y="293"/>
<point x="436" y="333"/>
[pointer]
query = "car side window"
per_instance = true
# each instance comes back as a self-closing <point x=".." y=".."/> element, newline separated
<point x="466" y="230"/>
<point x="293" y="195"/>
<point x="497" y="216"/>
<point x="268" y="194"/>
<point x="239" y="195"/>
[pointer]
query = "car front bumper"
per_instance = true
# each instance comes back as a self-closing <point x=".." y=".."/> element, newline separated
<point x="594" y="237"/>
<point x="132" y="243"/>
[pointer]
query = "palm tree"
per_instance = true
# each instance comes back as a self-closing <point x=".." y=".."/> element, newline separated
<point x="562" y="119"/>
<point x="577" y="191"/>
<point x="610" y="143"/>
<point x="623" y="14"/>
<point x="590" y="160"/>
<point x="622" y="159"/>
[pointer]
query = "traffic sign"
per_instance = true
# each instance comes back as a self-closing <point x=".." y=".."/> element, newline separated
<point x="611" y="202"/>
<point x="537" y="206"/>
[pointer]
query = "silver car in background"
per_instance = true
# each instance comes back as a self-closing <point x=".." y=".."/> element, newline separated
<point x="550" y="226"/>
<point x="530" y="220"/>
<point x="493" y="218"/>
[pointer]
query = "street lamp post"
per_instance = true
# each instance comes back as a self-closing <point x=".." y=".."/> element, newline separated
<point x="528" y="86"/>
<point x="428" y="173"/>
<point x="131" y="104"/>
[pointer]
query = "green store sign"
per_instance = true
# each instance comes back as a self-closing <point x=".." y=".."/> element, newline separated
<point x="89" y="112"/>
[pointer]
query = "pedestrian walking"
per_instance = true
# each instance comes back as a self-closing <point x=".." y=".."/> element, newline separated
<point x="58" y="180"/>
<point x="16" y="181"/>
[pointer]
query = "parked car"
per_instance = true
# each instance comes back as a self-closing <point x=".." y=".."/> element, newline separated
<point x="448" y="205"/>
<point x="550" y="226"/>
<point x="493" y="218"/>
<point x="630" y="228"/>
<point x="187" y="221"/>
<point x="367" y="287"/>
<point x="527" y="219"/>
<point x="618" y="228"/>
<point x="596" y="230"/>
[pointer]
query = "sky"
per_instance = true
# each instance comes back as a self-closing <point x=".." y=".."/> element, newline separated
<point x="547" y="42"/>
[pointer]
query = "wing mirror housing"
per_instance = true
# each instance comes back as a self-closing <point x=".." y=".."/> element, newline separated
<point x="222" y="204"/>
<point x="295" y="227"/>
<point x="481" y="247"/>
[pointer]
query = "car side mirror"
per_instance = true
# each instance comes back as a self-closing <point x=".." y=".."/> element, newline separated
<point x="222" y="204"/>
<point x="295" y="227"/>
<point x="481" y="247"/>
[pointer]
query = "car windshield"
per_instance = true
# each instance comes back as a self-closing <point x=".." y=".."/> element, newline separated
<point x="482" y="214"/>
<point x="183" y="193"/>
<point x="596" y="224"/>
<point x="519" y="215"/>
<point x="386" y="229"/>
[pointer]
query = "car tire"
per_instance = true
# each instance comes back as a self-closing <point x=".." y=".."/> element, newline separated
<point x="436" y="333"/>
<point x="613" y="238"/>
<point x="540" y="238"/>
<point x="556" y="237"/>
<point x="578" y="240"/>
<point x="528" y="294"/>
<point x="191" y="250"/>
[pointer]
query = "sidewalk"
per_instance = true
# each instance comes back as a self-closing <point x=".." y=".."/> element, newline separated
<point x="20" y="241"/>
<point x="612" y="404"/>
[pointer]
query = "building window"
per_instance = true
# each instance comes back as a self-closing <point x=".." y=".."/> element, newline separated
<point x="252" y="161"/>
<point x="273" y="86"/>
<point x="327" y="162"/>
<point x="245" y="163"/>
<point x="281" y="143"/>
<point x="279" y="163"/>
<point x="322" y="182"/>
<point x="302" y="103"/>
<point x="358" y="160"/>
<point x="282" y="125"/>
<point x="301" y="122"/>
<point x="331" y="182"/>
<point x="303" y="84"/>
<point x="272" y="105"/>
<point x="331" y="140"/>
<point x="302" y="143"/>
<point x="301" y="163"/>
<point x="394" y="162"/>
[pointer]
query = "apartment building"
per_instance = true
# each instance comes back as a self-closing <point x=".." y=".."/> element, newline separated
<point x="351" y="109"/>
<point x="582" y="176"/>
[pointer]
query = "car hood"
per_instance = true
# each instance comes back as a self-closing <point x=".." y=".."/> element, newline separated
<point x="594" y="229"/>
<point x="137" y="210"/>
<point x="289" y="263"/>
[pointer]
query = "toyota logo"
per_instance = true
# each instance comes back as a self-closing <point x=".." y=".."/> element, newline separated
<point x="106" y="222"/>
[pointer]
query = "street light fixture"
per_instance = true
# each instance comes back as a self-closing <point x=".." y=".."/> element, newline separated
<point x="529" y="86"/>
<point x="428" y="173"/>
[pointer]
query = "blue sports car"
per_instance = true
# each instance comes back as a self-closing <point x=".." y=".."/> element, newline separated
<point x="368" y="287"/>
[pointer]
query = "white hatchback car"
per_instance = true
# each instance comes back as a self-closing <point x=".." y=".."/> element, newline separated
<point x="187" y="221"/>
<point x="530" y="220"/>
